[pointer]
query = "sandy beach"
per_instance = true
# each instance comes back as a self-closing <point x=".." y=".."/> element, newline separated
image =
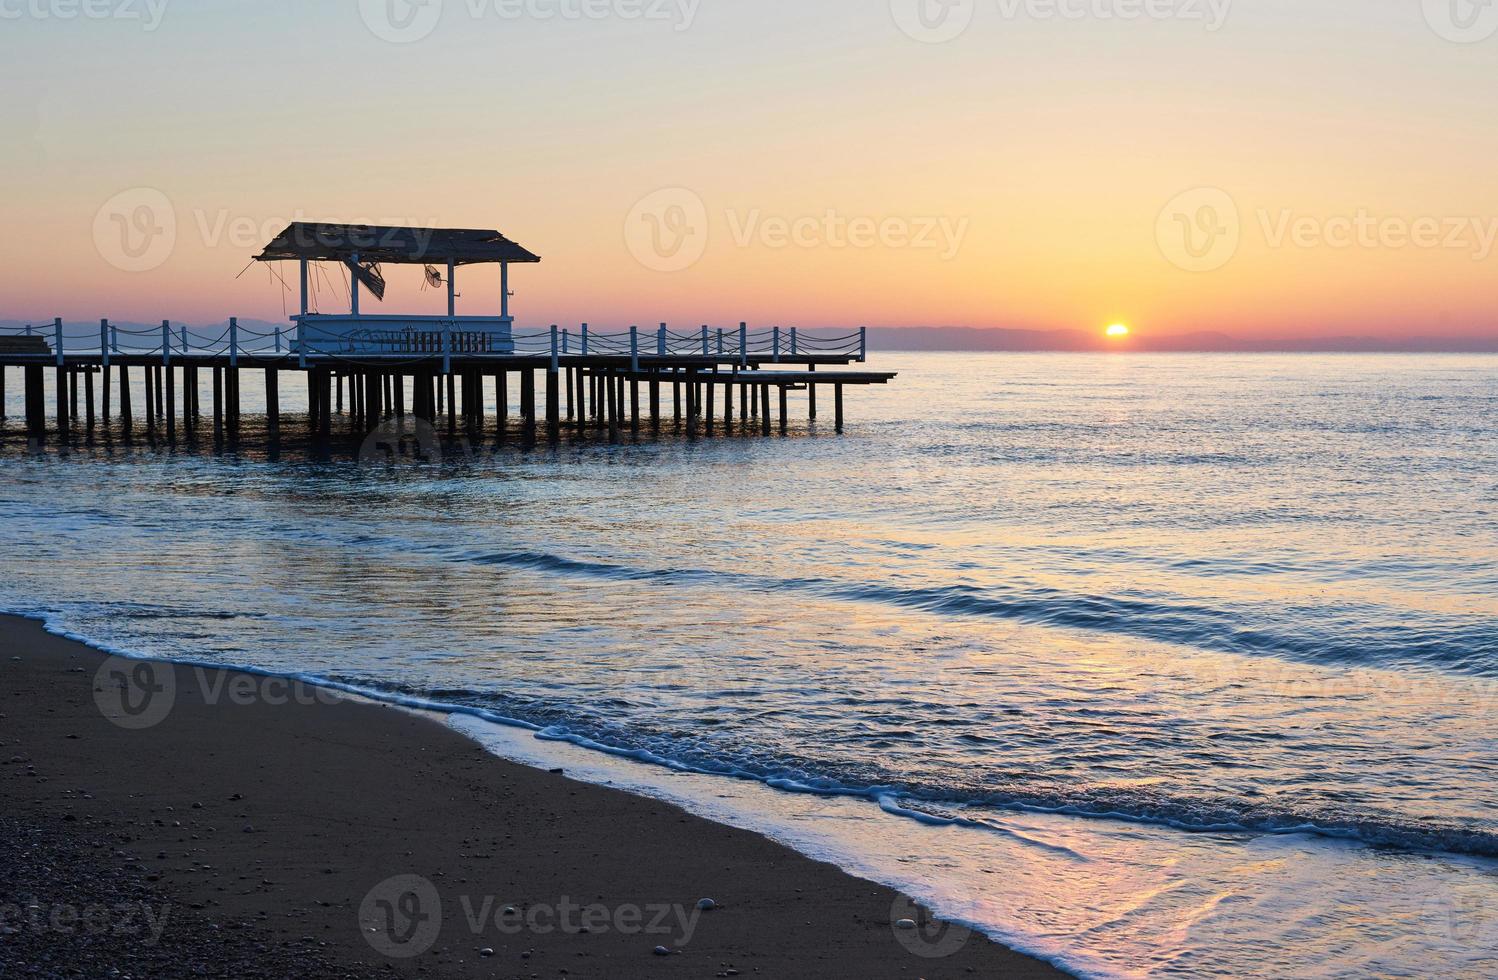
<point x="245" y="826"/>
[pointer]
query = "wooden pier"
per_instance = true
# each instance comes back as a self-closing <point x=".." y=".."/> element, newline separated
<point x="443" y="371"/>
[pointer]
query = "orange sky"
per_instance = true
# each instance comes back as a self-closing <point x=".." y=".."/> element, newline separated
<point x="778" y="162"/>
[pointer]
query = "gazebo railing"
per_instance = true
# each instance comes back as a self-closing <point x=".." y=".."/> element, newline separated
<point x="422" y="338"/>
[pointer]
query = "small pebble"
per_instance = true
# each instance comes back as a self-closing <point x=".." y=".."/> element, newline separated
<point x="486" y="952"/>
<point x="662" y="951"/>
<point x="905" y="924"/>
<point x="706" y="905"/>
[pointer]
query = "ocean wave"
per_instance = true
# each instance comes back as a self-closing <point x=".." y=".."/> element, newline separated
<point x="1449" y="644"/>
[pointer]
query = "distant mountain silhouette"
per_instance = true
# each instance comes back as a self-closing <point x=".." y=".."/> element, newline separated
<point x="996" y="339"/>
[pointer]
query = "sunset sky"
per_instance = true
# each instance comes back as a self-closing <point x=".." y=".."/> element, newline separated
<point x="818" y="163"/>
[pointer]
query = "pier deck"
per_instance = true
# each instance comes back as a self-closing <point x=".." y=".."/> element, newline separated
<point x="717" y="380"/>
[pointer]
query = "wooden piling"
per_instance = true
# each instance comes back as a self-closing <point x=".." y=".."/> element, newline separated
<point x="728" y="408"/>
<point x="691" y="408"/>
<point x="126" y="418"/>
<point x="73" y="395"/>
<point x="273" y="401"/>
<point x="88" y="397"/>
<point x="452" y="409"/>
<point x="783" y="407"/>
<point x="764" y="410"/>
<point x="34" y="383"/>
<point x="171" y="404"/>
<point x="218" y="404"/>
<point x="811" y="396"/>
<point x="837" y="398"/>
<point x="150" y="401"/>
<point x="528" y="404"/>
<point x="553" y="406"/>
<point x="634" y="406"/>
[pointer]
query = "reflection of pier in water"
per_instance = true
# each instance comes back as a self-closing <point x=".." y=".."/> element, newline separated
<point x="368" y="368"/>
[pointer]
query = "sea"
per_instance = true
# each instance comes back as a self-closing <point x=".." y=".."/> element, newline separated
<point x="1147" y="665"/>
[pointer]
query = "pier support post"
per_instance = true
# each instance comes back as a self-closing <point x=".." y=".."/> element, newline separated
<point x="452" y="408"/>
<point x="582" y="402"/>
<point x="273" y="401"/>
<point x="837" y="398"/>
<point x="231" y="409"/>
<point x="528" y="404"/>
<point x="783" y="408"/>
<point x="710" y="415"/>
<point x="398" y="389"/>
<point x="88" y="398"/>
<point x="553" y="406"/>
<point x="218" y="404"/>
<point x="36" y="401"/>
<point x="126" y="417"/>
<point x="764" y="410"/>
<point x="691" y="408"/>
<point x="811" y="396"/>
<point x="324" y="407"/>
<point x="171" y="404"/>
<point x="150" y="378"/>
<point x="634" y="406"/>
<point x="62" y="403"/>
<point x="728" y="408"/>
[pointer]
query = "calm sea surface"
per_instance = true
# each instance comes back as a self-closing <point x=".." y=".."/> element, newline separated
<point x="1202" y="649"/>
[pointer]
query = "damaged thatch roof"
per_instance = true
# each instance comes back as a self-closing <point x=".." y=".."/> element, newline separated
<point x="319" y="242"/>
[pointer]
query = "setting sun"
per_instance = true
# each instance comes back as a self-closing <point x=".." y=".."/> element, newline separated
<point x="1118" y="331"/>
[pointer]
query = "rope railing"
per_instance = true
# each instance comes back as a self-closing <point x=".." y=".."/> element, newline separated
<point x="443" y="337"/>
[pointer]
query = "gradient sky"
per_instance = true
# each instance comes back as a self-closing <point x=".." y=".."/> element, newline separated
<point x="1052" y="145"/>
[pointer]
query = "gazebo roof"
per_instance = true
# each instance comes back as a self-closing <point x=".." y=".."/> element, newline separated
<point x="319" y="242"/>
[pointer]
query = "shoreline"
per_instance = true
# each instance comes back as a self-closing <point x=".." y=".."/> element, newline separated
<point x="280" y="823"/>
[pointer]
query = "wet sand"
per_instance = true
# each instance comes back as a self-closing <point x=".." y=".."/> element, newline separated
<point x="173" y="821"/>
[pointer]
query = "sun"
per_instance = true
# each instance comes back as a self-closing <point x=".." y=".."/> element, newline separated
<point x="1119" y="331"/>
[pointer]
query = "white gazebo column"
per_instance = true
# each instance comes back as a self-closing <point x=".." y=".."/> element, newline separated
<point x="452" y="295"/>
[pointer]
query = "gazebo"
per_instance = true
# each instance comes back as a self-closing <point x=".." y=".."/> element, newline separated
<point x="362" y="250"/>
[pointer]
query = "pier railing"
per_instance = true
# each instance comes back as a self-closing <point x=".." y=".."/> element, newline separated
<point x="415" y="339"/>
